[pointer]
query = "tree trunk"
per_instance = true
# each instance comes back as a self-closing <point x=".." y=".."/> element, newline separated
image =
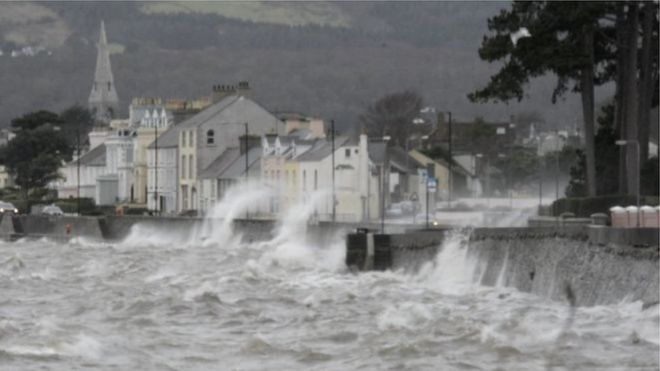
<point x="632" y="168"/>
<point x="645" y="81"/>
<point x="587" y="94"/>
<point x="620" y="95"/>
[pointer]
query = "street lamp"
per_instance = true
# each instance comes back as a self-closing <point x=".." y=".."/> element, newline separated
<point x="450" y="185"/>
<point x="156" y="203"/>
<point x="382" y="186"/>
<point x="634" y="142"/>
<point x="334" y="198"/>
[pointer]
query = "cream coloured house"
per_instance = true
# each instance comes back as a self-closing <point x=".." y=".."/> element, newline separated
<point x="280" y="170"/>
<point x="152" y="122"/>
<point x="207" y="135"/>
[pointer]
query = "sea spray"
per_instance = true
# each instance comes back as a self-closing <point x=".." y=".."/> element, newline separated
<point x="141" y="235"/>
<point x="217" y="226"/>
<point x="453" y="268"/>
<point x="291" y="247"/>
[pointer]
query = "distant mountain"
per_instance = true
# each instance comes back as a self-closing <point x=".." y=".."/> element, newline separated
<point x="324" y="59"/>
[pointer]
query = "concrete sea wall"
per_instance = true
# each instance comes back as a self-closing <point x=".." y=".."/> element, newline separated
<point x="544" y="266"/>
<point x="601" y="265"/>
<point x="117" y="228"/>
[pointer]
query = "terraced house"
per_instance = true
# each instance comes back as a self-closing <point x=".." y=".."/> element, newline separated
<point x="207" y="135"/>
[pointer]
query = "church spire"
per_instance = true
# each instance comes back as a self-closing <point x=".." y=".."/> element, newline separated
<point x="103" y="101"/>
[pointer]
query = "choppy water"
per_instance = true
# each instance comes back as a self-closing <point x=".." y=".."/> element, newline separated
<point x="155" y="303"/>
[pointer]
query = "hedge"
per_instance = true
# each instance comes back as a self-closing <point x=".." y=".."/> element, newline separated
<point x="583" y="207"/>
<point x="70" y="205"/>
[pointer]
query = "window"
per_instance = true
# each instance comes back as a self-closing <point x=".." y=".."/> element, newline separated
<point x="210" y="137"/>
<point x="109" y="86"/>
<point x="190" y="167"/>
<point x="190" y="138"/>
<point x="304" y="180"/>
<point x="183" y="139"/>
<point x="348" y="152"/>
<point x="316" y="180"/>
<point x="183" y="167"/>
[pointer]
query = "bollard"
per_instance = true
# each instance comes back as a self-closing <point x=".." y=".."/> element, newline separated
<point x="619" y="216"/>
<point x="599" y="219"/>
<point x="357" y="246"/>
<point x="649" y="217"/>
<point x="369" y="259"/>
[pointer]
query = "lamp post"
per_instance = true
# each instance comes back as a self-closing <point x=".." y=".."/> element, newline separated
<point x="156" y="206"/>
<point x="78" y="169"/>
<point x="247" y="166"/>
<point x="556" y="164"/>
<point x="384" y="172"/>
<point x="247" y="162"/>
<point x="334" y="199"/>
<point x="450" y="185"/>
<point x="540" y="171"/>
<point x="634" y="142"/>
<point x="480" y="156"/>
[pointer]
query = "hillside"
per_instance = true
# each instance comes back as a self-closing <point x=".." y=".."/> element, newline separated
<point x="325" y="59"/>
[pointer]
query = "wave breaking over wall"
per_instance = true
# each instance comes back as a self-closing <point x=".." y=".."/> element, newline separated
<point x="544" y="266"/>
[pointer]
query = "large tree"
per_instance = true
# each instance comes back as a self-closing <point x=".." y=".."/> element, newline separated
<point x="393" y="115"/>
<point x="76" y="122"/>
<point x="518" y="165"/>
<point x="566" y="40"/>
<point x="35" y="154"/>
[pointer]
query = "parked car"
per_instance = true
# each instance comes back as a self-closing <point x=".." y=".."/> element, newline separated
<point x="52" y="210"/>
<point x="7" y="207"/>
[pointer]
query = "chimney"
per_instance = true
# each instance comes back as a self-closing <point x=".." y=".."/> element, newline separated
<point x="243" y="89"/>
<point x="220" y="92"/>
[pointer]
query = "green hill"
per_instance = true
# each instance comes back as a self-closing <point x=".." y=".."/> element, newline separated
<point x="325" y="59"/>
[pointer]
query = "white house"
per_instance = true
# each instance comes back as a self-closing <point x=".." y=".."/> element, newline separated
<point x="356" y="185"/>
<point x="119" y="178"/>
<point x="166" y="149"/>
<point x="92" y="165"/>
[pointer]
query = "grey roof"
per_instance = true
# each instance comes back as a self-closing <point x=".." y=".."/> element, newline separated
<point x="169" y="139"/>
<point x="456" y="167"/>
<point x="376" y="151"/>
<point x="210" y="111"/>
<point x="95" y="157"/>
<point x="402" y="161"/>
<point x="221" y="163"/>
<point x="322" y="149"/>
<point x="237" y="168"/>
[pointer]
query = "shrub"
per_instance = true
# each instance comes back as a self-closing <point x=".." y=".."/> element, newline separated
<point x="70" y="205"/>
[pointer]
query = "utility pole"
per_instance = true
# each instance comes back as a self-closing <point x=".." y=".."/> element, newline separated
<point x="156" y="200"/>
<point x="78" y="168"/>
<point x="382" y="199"/>
<point x="540" y="171"/>
<point x="247" y="162"/>
<point x="450" y="186"/>
<point x="334" y="198"/>
<point x="247" y="166"/>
